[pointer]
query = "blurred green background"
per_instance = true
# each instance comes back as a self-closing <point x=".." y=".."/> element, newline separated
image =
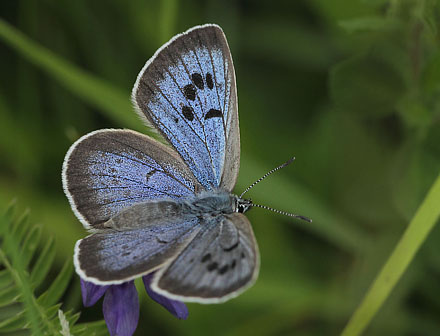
<point x="351" y="88"/>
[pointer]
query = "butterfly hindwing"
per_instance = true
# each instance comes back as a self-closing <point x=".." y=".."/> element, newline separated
<point x="109" y="170"/>
<point x="112" y="257"/>
<point x="219" y="263"/>
<point x="187" y="91"/>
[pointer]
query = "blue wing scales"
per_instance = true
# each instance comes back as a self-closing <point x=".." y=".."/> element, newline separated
<point x="113" y="257"/>
<point x="187" y="91"/>
<point x="109" y="170"/>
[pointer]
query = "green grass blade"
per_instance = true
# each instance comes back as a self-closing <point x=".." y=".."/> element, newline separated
<point x="113" y="102"/>
<point x="413" y="237"/>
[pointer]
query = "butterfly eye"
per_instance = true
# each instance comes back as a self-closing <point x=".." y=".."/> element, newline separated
<point x="243" y="205"/>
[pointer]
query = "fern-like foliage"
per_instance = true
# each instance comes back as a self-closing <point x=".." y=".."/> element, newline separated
<point x="22" y="312"/>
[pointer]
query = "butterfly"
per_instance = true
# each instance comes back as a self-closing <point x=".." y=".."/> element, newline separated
<point x="169" y="209"/>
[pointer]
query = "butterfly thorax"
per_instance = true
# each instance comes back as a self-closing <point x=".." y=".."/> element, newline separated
<point x="213" y="203"/>
<point x="210" y="203"/>
<point x="202" y="205"/>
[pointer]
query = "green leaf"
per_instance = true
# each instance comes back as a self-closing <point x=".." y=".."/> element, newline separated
<point x="13" y="323"/>
<point x="5" y="278"/>
<point x="71" y="317"/>
<point x="8" y="295"/>
<point x="404" y="252"/>
<point x="9" y="213"/>
<point x="20" y="227"/>
<point x="93" y="328"/>
<point x="30" y="244"/>
<point x="37" y="315"/>
<point x="58" y="286"/>
<point x="43" y="263"/>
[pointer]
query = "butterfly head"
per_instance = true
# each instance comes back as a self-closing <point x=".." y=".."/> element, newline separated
<point x="242" y="205"/>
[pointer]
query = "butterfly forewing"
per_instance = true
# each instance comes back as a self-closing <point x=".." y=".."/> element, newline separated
<point x="107" y="171"/>
<point x="218" y="264"/>
<point x="188" y="92"/>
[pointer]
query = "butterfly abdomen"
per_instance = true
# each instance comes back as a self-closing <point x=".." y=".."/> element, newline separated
<point x="146" y="214"/>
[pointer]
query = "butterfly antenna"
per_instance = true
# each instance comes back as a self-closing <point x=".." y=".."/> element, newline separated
<point x="282" y="212"/>
<point x="267" y="174"/>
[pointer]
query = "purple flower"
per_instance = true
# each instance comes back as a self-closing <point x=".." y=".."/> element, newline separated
<point x="177" y="308"/>
<point x="121" y="304"/>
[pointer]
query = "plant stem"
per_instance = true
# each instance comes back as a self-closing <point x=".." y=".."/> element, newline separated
<point x="412" y="239"/>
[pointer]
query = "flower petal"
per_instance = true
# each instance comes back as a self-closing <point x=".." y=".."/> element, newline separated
<point x="121" y="309"/>
<point x="91" y="292"/>
<point x="177" y="308"/>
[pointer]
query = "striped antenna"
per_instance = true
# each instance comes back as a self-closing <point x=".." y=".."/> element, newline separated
<point x="285" y="164"/>
<point x="282" y="212"/>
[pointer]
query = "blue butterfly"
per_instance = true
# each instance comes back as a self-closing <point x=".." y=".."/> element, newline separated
<point x="153" y="208"/>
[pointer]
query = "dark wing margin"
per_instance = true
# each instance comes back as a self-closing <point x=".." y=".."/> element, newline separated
<point x="218" y="264"/>
<point x="109" y="170"/>
<point x="187" y="91"/>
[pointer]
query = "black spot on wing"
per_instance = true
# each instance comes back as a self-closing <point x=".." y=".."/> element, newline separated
<point x="213" y="113"/>
<point x="189" y="92"/>
<point x="198" y="80"/>
<point x="188" y="112"/>
<point x="223" y="269"/>
<point x="209" y="81"/>
<point x="206" y="257"/>
<point x="212" y="266"/>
